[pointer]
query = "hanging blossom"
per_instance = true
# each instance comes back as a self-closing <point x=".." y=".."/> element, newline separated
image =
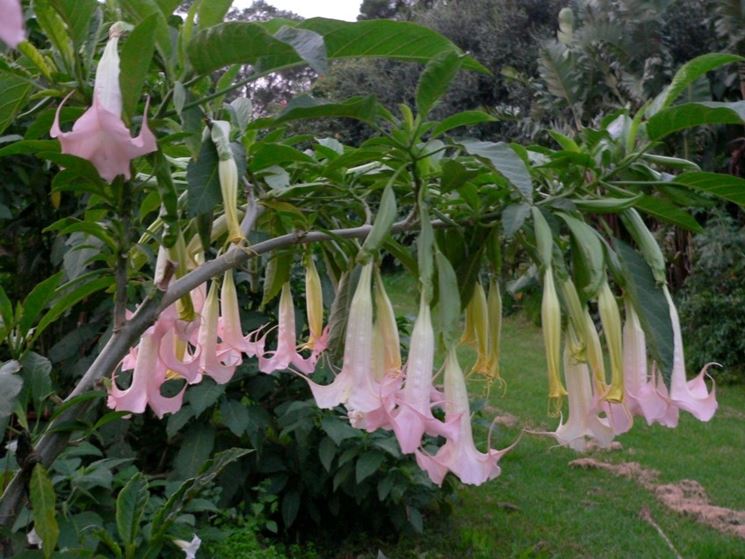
<point x="551" y="326"/>
<point x="11" y="23"/>
<point x="459" y="454"/>
<point x="386" y="363"/>
<point x="286" y="354"/>
<point x="689" y="395"/>
<point x="645" y="395"/>
<point x="413" y="416"/>
<point x="229" y="325"/>
<point x="189" y="548"/>
<point x="583" y="423"/>
<point x="149" y="374"/>
<point x="100" y="135"/>
<point x="318" y="336"/>
<point x="355" y="385"/>
<point x="218" y="361"/>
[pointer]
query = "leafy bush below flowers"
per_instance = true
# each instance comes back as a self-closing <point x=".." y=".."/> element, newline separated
<point x="712" y="299"/>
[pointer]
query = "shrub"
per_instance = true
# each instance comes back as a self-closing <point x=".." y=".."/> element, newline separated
<point x="712" y="297"/>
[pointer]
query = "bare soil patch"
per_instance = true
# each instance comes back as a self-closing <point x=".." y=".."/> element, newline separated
<point x="685" y="497"/>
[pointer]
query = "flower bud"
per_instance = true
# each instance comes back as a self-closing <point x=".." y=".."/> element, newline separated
<point x="551" y="325"/>
<point x="612" y="327"/>
<point x="228" y="172"/>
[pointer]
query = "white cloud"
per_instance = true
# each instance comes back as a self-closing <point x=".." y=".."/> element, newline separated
<point x="336" y="9"/>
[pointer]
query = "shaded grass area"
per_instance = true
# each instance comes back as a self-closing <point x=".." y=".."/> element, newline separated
<point x="541" y="507"/>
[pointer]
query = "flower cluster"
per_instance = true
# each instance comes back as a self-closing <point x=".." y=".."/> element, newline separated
<point x="599" y="411"/>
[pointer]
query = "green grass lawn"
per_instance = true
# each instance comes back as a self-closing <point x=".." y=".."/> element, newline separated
<point x="541" y="507"/>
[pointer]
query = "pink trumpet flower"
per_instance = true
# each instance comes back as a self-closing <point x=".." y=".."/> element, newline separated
<point x="644" y="396"/>
<point x="215" y="361"/>
<point x="286" y="353"/>
<point x="99" y="135"/>
<point x="147" y="378"/>
<point x="583" y="422"/>
<point x="689" y="395"/>
<point x="11" y="23"/>
<point x="229" y="325"/>
<point x="414" y="418"/>
<point x="459" y="454"/>
<point x="355" y="386"/>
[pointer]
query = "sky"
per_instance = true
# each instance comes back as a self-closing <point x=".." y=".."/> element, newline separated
<point x="336" y="9"/>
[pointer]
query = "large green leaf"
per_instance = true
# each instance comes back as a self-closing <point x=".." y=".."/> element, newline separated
<point x="465" y="118"/>
<point x="669" y="212"/>
<point x="195" y="451"/>
<point x="14" y="90"/>
<point x="435" y="79"/>
<point x="53" y="27"/>
<point x="688" y="74"/>
<point x="506" y="161"/>
<point x="139" y="11"/>
<point x="588" y="252"/>
<point x="688" y="115"/>
<point x="77" y="15"/>
<point x="728" y="187"/>
<point x="43" y="501"/>
<point x="383" y="221"/>
<point x="212" y="12"/>
<point x="203" y="181"/>
<point x="308" y="44"/>
<point x="130" y="508"/>
<point x="137" y="54"/>
<point x="253" y="43"/>
<point x="365" y="109"/>
<point x="651" y="306"/>
<point x="10" y="386"/>
<point x="448" y="305"/>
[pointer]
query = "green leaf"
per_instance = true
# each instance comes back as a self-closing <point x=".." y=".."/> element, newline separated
<point x="194" y="452"/>
<point x="688" y="115"/>
<point x="651" y="306"/>
<point x="267" y="154"/>
<point x="688" y="74"/>
<point x="203" y="181"/>
<point x="10" y="387"/>
<point x="590" y="272"/>
<point x="513" y="218"/>
<point x="337" y="429"/>
<point x="326" y="452"/>
<point x="139" y="11"/>
<point x="130" y="508"/>
<point x="383" y="220"/>
<point x="669" y="212"/>
<point x="212" y="12"/>
<point x="41" y="295"/>
<point x="136" y="56"/>
<point x="368" y="464"/>
<point x="448" y="306"/>
<point x="204" y="395"/>
<point x="435" y="80"/>
<point x="465" y="118"/>
<point x="365" y="109"/>
<point x="277" y="274"/>
<point x="308" y="44"/>
<point x="290" y="507"/>
<point x="252" y="43"/>
<point x="77" y="14"/>
<point x="606" y="205"/>
<point x="506" y="161"/>
<point x="544" y="239"/>
<point x="53" y="26"/>
<point x="36" y="370"/>
<point x="43" y="502"/>
<point x="235" y="416"/>
<point x="14" y="91"/>
<point x="425" y="248"/>
<point x="727" y="187"/>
